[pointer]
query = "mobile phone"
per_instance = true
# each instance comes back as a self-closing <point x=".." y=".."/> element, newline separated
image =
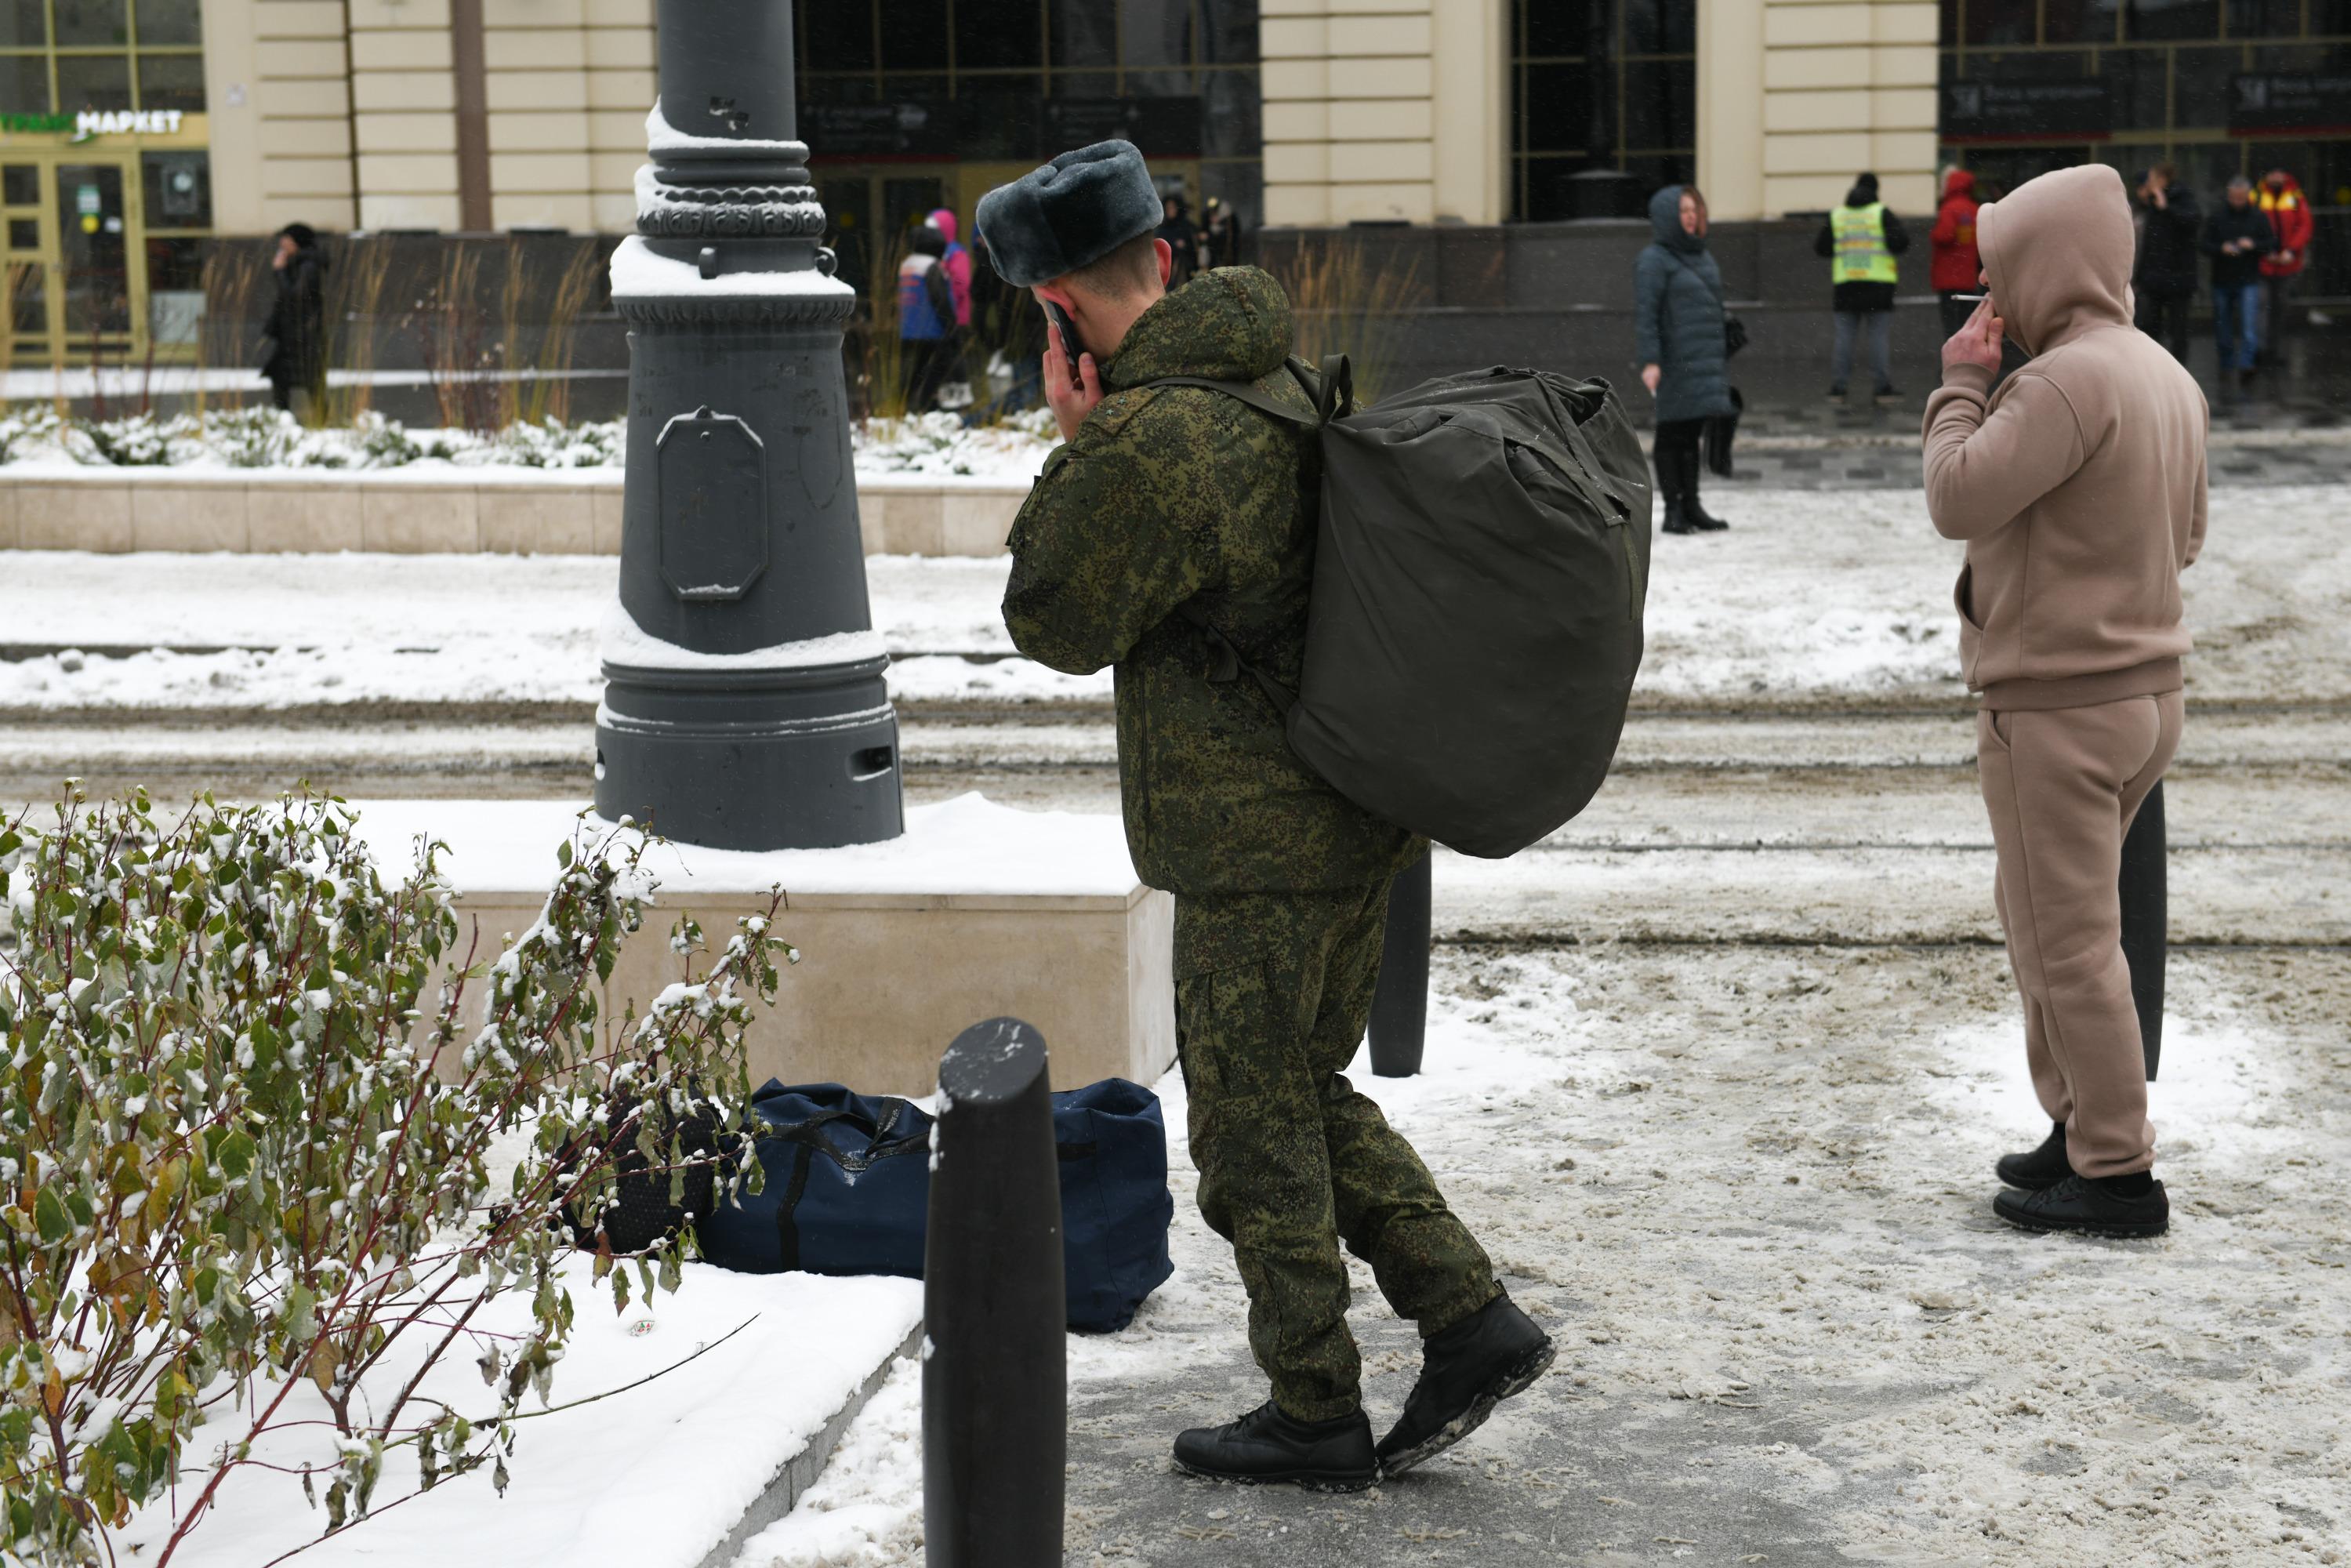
<point x="1061" y="320"/>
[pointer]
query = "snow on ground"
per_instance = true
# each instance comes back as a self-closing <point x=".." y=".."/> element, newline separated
<point x="1747" y="1189"/>
<point x="256" y="441"/>
<point x="1810" y="597"/>
<point x="654" y="1477"/>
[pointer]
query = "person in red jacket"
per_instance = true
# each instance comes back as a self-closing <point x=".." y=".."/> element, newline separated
<point x="2281" y="197"/>
<point x="1956" y="262"/>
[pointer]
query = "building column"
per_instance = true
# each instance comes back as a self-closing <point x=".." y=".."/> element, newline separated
<point x="1384" y="110"/>
<point x="1796" y="97"/>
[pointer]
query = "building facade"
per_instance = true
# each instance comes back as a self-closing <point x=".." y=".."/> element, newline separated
<point x="132" y="133"/>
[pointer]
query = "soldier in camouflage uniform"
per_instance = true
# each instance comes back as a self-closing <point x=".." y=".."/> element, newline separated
<point x="1179" y="496"/>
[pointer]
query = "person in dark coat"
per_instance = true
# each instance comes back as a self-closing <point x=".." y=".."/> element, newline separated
<point x="1183" y="241"/>
<point x="1221" y="236"/>
<point x="2163" y="278"/>
<point x="1679" y="322"/>
<point x="2236" y="238"/>
<point x="1861" y="241"/>
<point x="295" y="336"/>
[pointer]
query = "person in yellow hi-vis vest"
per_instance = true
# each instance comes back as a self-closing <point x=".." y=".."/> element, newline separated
<point x="1861" y="240"/>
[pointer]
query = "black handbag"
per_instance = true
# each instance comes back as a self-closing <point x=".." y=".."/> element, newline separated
<point x="1734" y="335"/>
<point x="1721" y="431"/>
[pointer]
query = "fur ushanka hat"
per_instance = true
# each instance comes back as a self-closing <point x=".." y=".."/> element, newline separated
<point x="1068" y="214"/>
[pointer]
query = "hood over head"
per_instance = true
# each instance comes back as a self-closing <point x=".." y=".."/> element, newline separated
<point x="1665" y="221"/>
<point x="2058" y="252"/>
<point x="1864" y="192"/>
<point x="1230" y="324"/>
<point x="943" y="220"/>
<point x="928" y="241"/>
<point x="1959" y="182"/>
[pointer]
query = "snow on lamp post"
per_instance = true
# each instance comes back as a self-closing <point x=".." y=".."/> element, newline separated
<point x="744" y="702"/>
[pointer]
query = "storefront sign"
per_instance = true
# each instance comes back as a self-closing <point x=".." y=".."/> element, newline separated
<point x="911" y="128"/>
<point x="91" y="123"/>
<point x="2274" y="100"/>
<point x="2026" y="110"/>
<point x="1168" y="127"/>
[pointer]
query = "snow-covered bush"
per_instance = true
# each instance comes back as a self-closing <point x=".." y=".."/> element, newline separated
<point x="257" y="1177"/>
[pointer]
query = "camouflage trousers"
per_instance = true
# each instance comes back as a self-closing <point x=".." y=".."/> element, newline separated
<point x="1272" y="992"/>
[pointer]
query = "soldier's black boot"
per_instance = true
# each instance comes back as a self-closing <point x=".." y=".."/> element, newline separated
<point x="1702" y="520"/>
<point x="2127" y="1207"/>
<point x="1266" y="1446"/>
<point x="1496" y="1352"/>
<point x="2036" y="1169"/>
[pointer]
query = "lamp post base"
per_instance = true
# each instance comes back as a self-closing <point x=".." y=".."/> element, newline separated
<point x="751" y="759"/>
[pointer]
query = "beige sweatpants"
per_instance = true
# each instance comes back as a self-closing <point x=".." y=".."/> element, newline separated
<point x="2062" y="788"/>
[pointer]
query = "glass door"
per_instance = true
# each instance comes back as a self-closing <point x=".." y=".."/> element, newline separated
<point x="101" y="292"/>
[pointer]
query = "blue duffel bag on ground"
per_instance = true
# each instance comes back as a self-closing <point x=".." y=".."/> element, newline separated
<point x="847" y="1191"/>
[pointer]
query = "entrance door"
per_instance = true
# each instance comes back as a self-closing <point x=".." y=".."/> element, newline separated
<point x="100" y="301"/>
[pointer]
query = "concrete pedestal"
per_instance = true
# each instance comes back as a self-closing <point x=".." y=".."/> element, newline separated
<point x="980" y="910"/>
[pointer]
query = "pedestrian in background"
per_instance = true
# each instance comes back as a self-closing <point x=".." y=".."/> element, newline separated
<point x="2289" y="213"/>
<point x="1953" y="247"/>
<point x="1681" y="344"/>
<point x="926" y="317"/>
<point x="955" y="356"/>
<point x="2237" y="238"/>
<point x="294" y="339"/>
<point x="2168" y="222"/>
<point x="1183" y="241"/>
<point x="1861" y="240"/>
<point x="1220" y="242"/>
<point x="2079" y="489"/>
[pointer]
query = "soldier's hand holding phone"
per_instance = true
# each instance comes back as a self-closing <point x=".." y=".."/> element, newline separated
<point x="1072" y="385"/>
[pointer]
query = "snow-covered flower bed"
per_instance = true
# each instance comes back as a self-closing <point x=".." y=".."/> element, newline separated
<point x="930" y="444"/>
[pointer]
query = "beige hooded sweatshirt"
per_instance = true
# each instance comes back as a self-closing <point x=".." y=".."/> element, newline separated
<point x="2079" y="485"/>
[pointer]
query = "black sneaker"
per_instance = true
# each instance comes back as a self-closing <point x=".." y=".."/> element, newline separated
<point x="1464" y="1372"/>
<point x="2037" y="1169"/>
<point x="1836" y="392"/>
<point x="2088" y="1208"/>
<point x="1266" y="1446"/>
<point x="1889" y="394"/>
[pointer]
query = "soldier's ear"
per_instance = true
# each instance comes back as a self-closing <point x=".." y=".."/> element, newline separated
<point x="1166" y="260"/>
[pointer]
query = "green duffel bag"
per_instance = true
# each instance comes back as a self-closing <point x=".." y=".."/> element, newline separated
<point x="1480" y="566"/>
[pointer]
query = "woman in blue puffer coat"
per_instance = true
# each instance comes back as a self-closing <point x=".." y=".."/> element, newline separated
<point x="1680" y="322"/>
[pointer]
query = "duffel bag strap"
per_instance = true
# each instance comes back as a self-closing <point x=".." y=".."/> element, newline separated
<point x="788" y="1224"/>
<point x="1249" y="393"/>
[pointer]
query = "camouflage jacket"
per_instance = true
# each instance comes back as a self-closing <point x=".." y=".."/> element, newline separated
<point x="1172" y="495"/>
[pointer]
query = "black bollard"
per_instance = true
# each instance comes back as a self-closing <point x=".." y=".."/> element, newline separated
<point x="994" y="1373"/>
<point x="1400" y="1006"/>
<point x="2145" y="888"/>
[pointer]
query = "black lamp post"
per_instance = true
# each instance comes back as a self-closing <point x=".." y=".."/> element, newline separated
<point x="744" y="702"/>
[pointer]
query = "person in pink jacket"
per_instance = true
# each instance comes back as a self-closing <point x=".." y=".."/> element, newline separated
<point x="956" y="264"/>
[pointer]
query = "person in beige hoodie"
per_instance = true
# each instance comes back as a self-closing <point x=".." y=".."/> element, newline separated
<point x="2079" y="488"/>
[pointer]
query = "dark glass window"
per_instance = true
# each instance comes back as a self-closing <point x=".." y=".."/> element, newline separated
<point x="1660" y="26"/>
<point x="1154" y="32"/>
<point x="1660" y="104"/>
<point x="1555" y="112"/>
<point x="24" y="84"/>
<point x="1228" y="32"/>
<point x="999" y="116"/>
<point x="1084" y="34"/>
<point x="1232" y="114"/>
<point x="86" y="21"/>
<point x="2077" y="21"/>
<point x="837" y="36"/>
<point x="179" y="188"/>
<point x="2138" y="85"/>
<point x="24" y="24"/>
<point x="20" y="186"/>
<point x="993" y="36"/>
<point x="914" y="34"/>
<point x="93" y="81"/>
<point x="2200" y="93"/>
<point x="1555" y="26"/>
<point x="172" y="81"/>
<point x="1996" y="22"/>
<point x="24" y="234"/>
<point x="2158" y="20"/>
<point x="169" y="22"/>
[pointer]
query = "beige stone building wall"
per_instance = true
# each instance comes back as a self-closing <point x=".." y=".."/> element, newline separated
<point x="1796" y="97"/>
<point x="304" y="109"/>
<point x="1386" y="110"/>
